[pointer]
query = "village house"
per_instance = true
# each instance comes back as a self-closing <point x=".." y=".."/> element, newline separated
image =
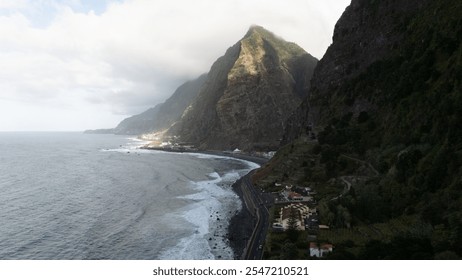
<point x="293" y="196"/>
<point x="312" y="221"/>
<point x="320" y="250"/>
<point x="304" y="191"/>
<point x="289" y="195"/>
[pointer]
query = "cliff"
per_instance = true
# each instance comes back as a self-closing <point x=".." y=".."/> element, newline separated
<point x="248" y="95"/>
<point x="379" y="136"/>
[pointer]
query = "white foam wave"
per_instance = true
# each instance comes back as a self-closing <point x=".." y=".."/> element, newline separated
<point x="134" y="139"/>
<point x="212" y="206"/>
<point x="210" y="214"/>
<point x="134" y="144"/>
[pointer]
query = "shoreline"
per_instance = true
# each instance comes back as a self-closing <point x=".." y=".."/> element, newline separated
<point x="241" y="224"/>
<point x="252" y="158"/>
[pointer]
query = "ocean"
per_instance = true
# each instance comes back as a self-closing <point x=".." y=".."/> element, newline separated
<point x="67" y="195"/>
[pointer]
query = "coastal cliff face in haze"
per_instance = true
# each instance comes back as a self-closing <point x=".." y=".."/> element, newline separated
<point x="368" y="34"/>
<point x="248" y="95"/>
<point x="163" y="115"/>
<point x="379" y="135"/>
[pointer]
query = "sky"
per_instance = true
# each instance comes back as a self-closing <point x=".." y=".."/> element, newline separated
<point x="71" y="65"/>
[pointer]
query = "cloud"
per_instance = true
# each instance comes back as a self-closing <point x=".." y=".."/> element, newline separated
<point x="12" y="4"/>
<point x="121" y="57"/>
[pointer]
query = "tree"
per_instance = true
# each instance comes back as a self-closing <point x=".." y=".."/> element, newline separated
<point x="289" y="251"/>
<point x="292" y="223"/>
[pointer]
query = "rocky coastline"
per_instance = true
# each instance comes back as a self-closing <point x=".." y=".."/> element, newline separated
<point x="243" y="222"/>
<point x="240" y="226"/>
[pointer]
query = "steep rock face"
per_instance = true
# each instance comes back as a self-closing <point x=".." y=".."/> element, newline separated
<point x="386" y="107"/>
<point x="249" y="94"/>
<point x="367" y="32"/>
<point x="163" y="115"/>
<point x="386" y="55"/>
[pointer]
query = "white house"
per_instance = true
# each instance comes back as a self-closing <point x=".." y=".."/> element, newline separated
<point x="320" y="251"/>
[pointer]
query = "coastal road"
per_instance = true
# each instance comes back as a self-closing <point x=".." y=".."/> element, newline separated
<point x="257" y="204"/>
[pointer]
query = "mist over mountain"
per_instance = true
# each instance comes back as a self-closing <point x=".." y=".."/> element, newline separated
<point x="248" y="95"/>
<point x="161" y="116"/>
<point x="243" y="102"/>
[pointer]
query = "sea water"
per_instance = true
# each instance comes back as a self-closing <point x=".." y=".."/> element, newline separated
<point x="84" y="196"/>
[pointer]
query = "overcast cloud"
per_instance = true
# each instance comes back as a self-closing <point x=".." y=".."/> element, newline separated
<point x="77" y="64"/>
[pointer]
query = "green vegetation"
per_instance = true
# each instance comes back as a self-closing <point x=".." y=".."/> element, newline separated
<point x="286" y="51"/>
<point x="282" y="245"/>
<point x="403" y="155"/>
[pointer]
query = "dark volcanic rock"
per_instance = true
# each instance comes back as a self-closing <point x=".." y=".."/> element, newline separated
<point x="367" y="32"/>
<point x="240" y="226"/>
